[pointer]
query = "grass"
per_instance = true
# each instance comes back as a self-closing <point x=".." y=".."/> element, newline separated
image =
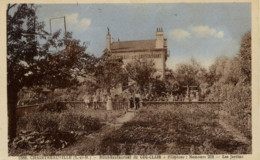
<point x="77" y="121"/>
<point x="180" y="129"/>
<point x="237" y="105"/>
<point x="184" y="129"/>
<point x="102" y="115"/>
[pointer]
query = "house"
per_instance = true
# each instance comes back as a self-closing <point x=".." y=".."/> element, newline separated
<point x="155" y="49"/>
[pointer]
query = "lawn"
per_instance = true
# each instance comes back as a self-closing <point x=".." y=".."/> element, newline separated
<point x="180" y="129"/>
<point x="183" y="129"/>
<point x="46" y="132"/>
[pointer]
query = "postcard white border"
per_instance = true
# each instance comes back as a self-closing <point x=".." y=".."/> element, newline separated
<point x="255" y="65"/>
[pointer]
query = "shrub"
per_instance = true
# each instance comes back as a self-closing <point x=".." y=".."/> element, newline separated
<point x="53" y="107"/>
<point x="78" y="122"/>
<point x="39" y="121"/>
<point x="237" y="105"/>
<point x="184" y="129"/>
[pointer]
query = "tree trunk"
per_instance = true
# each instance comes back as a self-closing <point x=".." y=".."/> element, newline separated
<point x="12" y="104"/>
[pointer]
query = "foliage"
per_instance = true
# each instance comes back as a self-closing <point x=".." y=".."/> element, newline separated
<point x="142" y="73"/>
<point x="52" y="121"/>
<point x="244" y="58"/>
<point x="102" y="115"/>
<point x="191" y="73"/>
<point x="50" y="130"/>
<point x="231" y="83"/>
<point x="221" y="70"/>
<point x="36" y="141"/>
<point x="187" y="129"/>
<point x="30" y="63"/>
<point x="237" y="105"/>
<point x="158" y="88"/>
<point x="39" y="121"/>
<point x="55" y="63"/>
<point x="109" y="73"/>
<point x="171" y="83"/>
<point x="79" y="122"/>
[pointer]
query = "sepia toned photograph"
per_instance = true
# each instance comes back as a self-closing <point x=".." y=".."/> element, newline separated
<point x="129" y="79"/>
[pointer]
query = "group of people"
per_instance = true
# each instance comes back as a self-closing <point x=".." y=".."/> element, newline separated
<point x="94" y="101"/>
<point x="134" y="102"/>
<point x="98" y="101"/>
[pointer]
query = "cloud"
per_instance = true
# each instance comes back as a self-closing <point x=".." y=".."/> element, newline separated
<point x="220" y="34"/>
<point x="180" y="34"/>
<point x="205" y="31"/>
<point x="74" y="23"/>
<point x="195" y="31"/>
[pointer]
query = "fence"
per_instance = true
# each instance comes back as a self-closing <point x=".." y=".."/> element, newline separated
<point x="171" y="103"/>
<point x="117" y="105"/>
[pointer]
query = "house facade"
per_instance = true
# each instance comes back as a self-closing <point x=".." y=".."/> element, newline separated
<point x="154" y="49"/>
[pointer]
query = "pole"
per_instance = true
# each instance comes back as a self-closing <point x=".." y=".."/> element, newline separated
<point x="50" y="25"/>
<point x="35" y="37"/>
<point x="65" y="25"/>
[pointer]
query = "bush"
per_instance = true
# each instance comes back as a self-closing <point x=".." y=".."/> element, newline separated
<point x="237" y="105"/>
<point x="43" y="130"/>
<point x="78" y="122"/>
<point x="53" y="107"/>
<point x="186" y="129"/>
<point x="39" y="121"/>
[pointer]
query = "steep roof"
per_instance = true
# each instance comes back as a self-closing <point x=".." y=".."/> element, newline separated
<point x="133" y="45"/>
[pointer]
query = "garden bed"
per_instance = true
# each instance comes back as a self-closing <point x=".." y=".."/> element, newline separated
<point x="167" y="130"/>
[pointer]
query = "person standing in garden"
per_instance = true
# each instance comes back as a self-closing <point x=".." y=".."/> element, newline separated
<point x="109" y="103"/>
<point x="131" y="102"/>
<point x="87" y="100"/>
<point x="95" y="101"/>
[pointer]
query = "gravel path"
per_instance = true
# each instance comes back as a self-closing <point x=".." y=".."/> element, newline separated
<point x="122" y="119"/>
<point x="81" y="147"/>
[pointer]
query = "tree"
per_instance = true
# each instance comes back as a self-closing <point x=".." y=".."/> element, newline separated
<point x="142" y="72"/>
<point x="221" y="71"/>
<point x="233" y="70"/>
<point x="171" y="82"/>
<point x="191" y="73"/>
<point x="244" y="58"/>
<point x="31" y="64"/>
<point x="109" y="73"/>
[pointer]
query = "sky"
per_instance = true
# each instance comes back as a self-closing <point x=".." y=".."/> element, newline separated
<point x="203" y="31"/>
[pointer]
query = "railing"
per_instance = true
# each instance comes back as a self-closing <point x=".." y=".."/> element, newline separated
<point x="117" y="105"/>
<point x="159" y="103"/>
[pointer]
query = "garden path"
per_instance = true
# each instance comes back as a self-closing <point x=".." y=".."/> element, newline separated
<point x="90" y="141"/>
<point x="122" y="119"/>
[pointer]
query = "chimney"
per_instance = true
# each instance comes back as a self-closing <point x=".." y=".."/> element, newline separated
<point x="108" y="40"/>
<point x="159" y="38"/>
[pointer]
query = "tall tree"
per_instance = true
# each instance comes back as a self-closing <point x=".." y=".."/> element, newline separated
<point x="109" y="73"/>
<point x="29" y="63"/>
<point x="142" y="72"/>
<point x="190" y="73"/>
<point x="244" y="58"/>
<point x="171" y="82"/>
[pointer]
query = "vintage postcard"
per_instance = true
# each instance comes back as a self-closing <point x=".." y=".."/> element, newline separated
<point x="130" y="80"/>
